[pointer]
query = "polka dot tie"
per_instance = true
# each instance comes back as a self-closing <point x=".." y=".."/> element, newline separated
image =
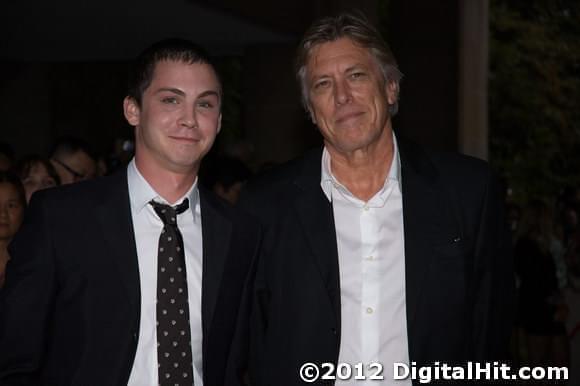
<point x="173" y="334"/>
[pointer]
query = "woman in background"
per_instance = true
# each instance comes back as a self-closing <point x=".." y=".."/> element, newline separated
<point x="12" y="204"/>
<point x="36" y="173"/>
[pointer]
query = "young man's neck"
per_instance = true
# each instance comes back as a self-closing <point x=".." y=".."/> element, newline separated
<point x="171" y="185"/>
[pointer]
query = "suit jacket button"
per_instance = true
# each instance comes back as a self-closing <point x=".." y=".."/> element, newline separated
<point x="333" y="330"/>
<point x="135" y="336"/>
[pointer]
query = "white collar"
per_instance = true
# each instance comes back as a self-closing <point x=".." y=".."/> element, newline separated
<point x="327" y="179"/>
<point x="141" y="192"/>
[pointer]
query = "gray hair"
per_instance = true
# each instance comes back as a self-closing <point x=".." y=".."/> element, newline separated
<point x="357" y="28"/>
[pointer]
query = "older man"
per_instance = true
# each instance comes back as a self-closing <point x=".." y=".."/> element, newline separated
<point x="377" y="252"/>
<point x="137" y="278"/>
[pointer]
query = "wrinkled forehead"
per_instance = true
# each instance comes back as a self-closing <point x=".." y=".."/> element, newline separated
<point x="343" y="52"/>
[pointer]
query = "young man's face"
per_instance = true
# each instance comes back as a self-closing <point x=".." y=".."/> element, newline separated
<point x="179" y="116"/>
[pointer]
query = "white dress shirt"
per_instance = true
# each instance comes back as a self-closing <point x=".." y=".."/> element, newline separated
<point x="371" y="256"/>
<point x="147" y="226"/>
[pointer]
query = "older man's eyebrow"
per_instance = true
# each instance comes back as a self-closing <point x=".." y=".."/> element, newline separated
<point x="355" y="67"/>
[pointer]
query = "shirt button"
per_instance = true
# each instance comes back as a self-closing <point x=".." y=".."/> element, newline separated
<point x="366" y="208"/>
<point x="371" y="257"/>
<point x="369" y="310"/>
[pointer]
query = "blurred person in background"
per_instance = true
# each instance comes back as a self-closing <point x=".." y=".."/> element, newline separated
<point x="73" y="160"/>
<point x="569" y="223"/>
<point x="225" y="176"/>
<point x="123" y="152"/>
<point x="36" y="173"/>
<point x="12" y="204"/>
<point x="542" y="311"/>
<point x="513" y="216"/>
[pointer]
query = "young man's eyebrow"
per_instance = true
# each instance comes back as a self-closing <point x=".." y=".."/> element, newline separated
<point x="209" y="93"/>
<point x="170" y="89"/>
<point x="181" y="93"/>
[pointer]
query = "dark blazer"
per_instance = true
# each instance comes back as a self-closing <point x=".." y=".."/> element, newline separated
<point x="70" y="310"/>
<point x="459" y="285"/>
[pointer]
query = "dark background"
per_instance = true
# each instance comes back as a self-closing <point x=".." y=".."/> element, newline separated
<point x="496" y="79"/>
<point x="63" y="67"/>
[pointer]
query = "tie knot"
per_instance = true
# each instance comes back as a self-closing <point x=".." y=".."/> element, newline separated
<point x="168" y="214"/>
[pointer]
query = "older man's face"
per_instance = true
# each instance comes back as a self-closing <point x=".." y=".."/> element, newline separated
<point x="348" y="97"/>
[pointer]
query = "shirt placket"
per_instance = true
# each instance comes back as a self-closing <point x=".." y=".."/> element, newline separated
<point x="370" y="286"/>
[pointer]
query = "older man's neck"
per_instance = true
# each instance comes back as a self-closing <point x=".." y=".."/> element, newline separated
<point x="363" y="171"/>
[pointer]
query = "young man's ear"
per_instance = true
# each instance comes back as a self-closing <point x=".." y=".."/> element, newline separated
<point x="131" y="111"/>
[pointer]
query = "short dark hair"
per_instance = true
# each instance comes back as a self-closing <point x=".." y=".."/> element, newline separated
<point x="69" y="145"/>
<point x="358" y="28"/>
<point x="7" y="177"/>
<point x="179" y="50"/>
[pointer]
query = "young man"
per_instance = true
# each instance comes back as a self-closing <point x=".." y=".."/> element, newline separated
<point x="137" y="278"/>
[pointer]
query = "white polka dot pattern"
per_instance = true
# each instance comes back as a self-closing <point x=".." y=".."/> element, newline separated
<point x="173" y="333"/>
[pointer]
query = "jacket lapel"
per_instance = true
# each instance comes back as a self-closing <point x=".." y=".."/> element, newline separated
<point x="113" y="214"/>
<point x="216" y="233"/>
<point x="421" y="210"/>
<point x="317" y="218"/>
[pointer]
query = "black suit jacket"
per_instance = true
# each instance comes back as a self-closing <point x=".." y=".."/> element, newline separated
<point x="459" y="285"/>
<point x="69" y="313"/>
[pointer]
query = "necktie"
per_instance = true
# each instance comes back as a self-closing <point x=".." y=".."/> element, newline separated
<point x="173" y="333"/>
